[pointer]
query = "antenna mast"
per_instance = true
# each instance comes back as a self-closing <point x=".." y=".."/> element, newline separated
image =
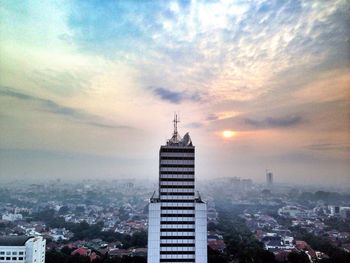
<point x="176" y="121"/>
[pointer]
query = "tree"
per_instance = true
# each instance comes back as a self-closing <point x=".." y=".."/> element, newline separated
<point x="211" y="226"/>
<point x="240" y="242"/>
<point x="54" y="257"/>
<point x="78" y="259"/>
<point x="63" y="210"/>
<point x="216" y="257"/>
<point x="66" y="250"/>
<point x="139" y="239"/>
<point x="298" y="257"/>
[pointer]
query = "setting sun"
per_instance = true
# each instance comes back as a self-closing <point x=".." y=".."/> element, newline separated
<point x="228" y="134"/>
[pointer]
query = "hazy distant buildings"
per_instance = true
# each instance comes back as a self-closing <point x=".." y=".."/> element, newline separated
<point x="177" y="216"/>
<point x="345" y="212"/>
<point x="269" y="179"/>
<point x="246" y="184"/>
<point x="22" y="249"/>
<point x="240" y="185"/>
<point x="339" y="211"/>
<point x="293" y="212"/>
<point x="235" y="181"/>
<point x="334" y="210"/>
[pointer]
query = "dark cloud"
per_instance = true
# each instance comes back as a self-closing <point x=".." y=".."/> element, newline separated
<point x="55" y="108"/>
<point x="9" y="93"/>
<point x="275" y="122"/>
<point x="174" y="96"/>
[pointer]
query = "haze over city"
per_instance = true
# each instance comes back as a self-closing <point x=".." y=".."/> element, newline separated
<point x="89" y="89"/>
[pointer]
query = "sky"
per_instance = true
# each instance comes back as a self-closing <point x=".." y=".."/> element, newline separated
<point x="88" y="89"/>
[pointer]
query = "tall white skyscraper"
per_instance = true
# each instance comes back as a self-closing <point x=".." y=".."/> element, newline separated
<point x="177" y="230"/>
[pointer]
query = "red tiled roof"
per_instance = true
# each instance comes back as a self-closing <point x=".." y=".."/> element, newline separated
<point x="82" y="251"/>
<point x="216" y="244"/>
<point x="93" y="256"/>
<point x="302" y="245"/>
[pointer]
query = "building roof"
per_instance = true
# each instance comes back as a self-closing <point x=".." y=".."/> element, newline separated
<point x="216" y="244"/>
<point x="13" y="240"/>
<point x="176" y="140"/>
<point x="82" y="251"/>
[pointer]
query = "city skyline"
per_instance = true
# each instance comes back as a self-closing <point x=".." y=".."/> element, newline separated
<point x="89" y="90"/>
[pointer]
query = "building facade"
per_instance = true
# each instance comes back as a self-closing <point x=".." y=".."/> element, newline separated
<point x="22" y="249"/>
<point x="177" y="229"/>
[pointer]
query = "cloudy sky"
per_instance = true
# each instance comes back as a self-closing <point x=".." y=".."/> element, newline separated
<point x="88" y="89"/>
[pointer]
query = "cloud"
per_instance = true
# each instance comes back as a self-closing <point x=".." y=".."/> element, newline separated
<point x="246" y="56"/>
<point x="61" y="82"/>
<point x="122" y="28"/>
<point x="38" y="153"/>
<point x="273" y="122"/>
<point x="214" y="46"/>
<point x="295" y="157"/>
<point x="222" y="115"/>
<point x="194" y="125"/>
<point x="328" y="147"/>
<point x="212" y="117"/>
<point x="175" y="96"/>
<point x="55" y="108"/>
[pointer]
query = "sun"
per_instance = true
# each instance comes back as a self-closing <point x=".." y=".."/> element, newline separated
<point x="228" y="134"/>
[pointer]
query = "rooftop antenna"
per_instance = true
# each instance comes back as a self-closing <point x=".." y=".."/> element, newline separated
<point x="176" y="121"/>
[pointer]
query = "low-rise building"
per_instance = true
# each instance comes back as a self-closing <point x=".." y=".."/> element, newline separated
<point x="12" y="217"/>
<point x="22" y="249"/>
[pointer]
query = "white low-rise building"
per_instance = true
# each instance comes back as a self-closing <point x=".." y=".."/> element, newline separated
<point x="12" y="217"/>
<point x="22" y="249"/>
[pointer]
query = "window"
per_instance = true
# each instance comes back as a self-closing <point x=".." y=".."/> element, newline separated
<point x="20" y="253"/>
<point x="20" y="258"/>
<point x="14" y="258"/>
<point x="8" y="258"/>
<point x="14" y="253"/>
<point x="2" y="258"/>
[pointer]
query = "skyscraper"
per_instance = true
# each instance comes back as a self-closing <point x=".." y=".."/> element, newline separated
<point x="177" y="230"/>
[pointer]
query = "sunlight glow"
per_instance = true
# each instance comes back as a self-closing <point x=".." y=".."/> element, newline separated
<point x="228" y="134"/>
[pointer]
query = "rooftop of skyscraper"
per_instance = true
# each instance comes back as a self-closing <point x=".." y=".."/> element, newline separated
<point x="176" y="139"/>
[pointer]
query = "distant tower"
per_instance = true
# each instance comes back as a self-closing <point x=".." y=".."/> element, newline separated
<point x="269" y="178"/>
<point x="177" y="229"/>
